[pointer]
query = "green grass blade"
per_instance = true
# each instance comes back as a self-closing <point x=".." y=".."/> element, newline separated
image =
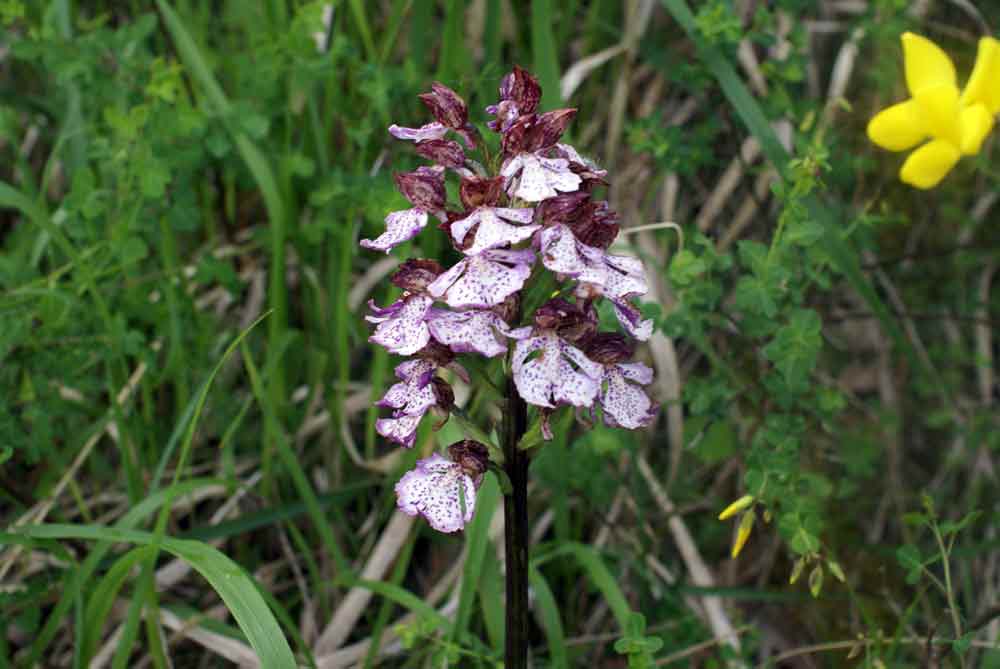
<point x="544" y="55"/>
<point x="598" y="573"/>
<point x="477" y="542"/>
<point x="228" y="579"/>
<point x="404" y="598"/>
<point x="548" y="617"/>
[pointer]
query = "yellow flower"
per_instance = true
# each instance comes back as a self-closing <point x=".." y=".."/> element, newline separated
<point x="955" y="122"/>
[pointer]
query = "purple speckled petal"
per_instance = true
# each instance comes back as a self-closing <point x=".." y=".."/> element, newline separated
<point x="438" y="490"/>
<point x="540" y="178"/>
<point x="632" y="321"/>
<point x="636" y="371"/>
<point x="380" y="314"/>
<point x="520" y="333"/>
<point x="400" y="226"/>
<point x="402" y="430"/>
<point x="549" y="379"/>
<point x="625" y="277"/>
<point x="413" y="396"/>
<point x="422" y="134"/>
<point x="625" y="405"/>
<point x="578" y="388"/>
<point x="493" y="230"/>
<point x="470" y="332"/>
<point x="533" y="378"/>
<point x="516" y="215"/>
<point x="482" y="281"/>
<point x="563" y="254"/>
<point x="406" y="332"/>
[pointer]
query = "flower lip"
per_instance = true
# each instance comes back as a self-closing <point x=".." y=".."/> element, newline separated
<point x="416" y="274"/>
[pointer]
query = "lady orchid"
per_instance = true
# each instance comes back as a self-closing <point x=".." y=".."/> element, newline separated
<point x="955" y="122"/>
<point x="524" y="216"/>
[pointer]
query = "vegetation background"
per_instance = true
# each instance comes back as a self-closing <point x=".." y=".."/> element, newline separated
<point x="188" y="386"/>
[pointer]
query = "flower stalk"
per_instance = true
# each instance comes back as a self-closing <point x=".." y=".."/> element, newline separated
<point x="515" y="516"/>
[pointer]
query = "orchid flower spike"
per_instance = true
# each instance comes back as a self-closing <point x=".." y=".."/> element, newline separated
<point x="956" y="122"/>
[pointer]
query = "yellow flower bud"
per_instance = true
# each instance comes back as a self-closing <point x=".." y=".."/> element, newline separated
<point x="743" y="532"/>
<point x="739" y="505"/>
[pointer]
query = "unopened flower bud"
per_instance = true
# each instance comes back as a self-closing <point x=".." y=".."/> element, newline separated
<point x="477" y="192"/>
<point x="523" y="89"/>
<point x="472" y="456"/>
<point x="571" y="322"/>
<point x="609" y="348"/>
<point x="547" y="129"/>
<point x="444" y="396"/>
<point x="509" y="309"/>
<point x="562" y="208"/>
<point x="448" y="108"/>
<point x="438" y="353"/>
<point x="443" y="152"/>
<point x="424" y="188"/>
<point x="515" y="137"/>
<point x="414" y="275"/>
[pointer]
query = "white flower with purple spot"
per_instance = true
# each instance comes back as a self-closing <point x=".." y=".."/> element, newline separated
<point x="439" y="490"/>
<point x="484" y="280"/>
<point x="494" y="227"/>
<point x="625" y="404"/>
<point x="472" y="331"/>
<point x="402" y="326"/>
<point x="534" y="178"/>
<point x="558" y="373"/>
<point x="618" y="279"/>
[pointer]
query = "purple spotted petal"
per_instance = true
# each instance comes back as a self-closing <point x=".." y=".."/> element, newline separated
<point x="402" y="430"/>
<point x="471" y="331"/>
<point x="563" y="254"/>
<point x="571" y="154"/>
<point x="400" y="226"/>
<point x="495" y="228"/>
<point x="624" y="404"/>
<point x="549" y="378"/>
<point x="405" y="332"/>
<point x="484" y="280"/>
<point x="422" y="134"/>
<point x="625" y="277"/>
<point x="636" y="371"/>
<point x="414" y="395"/>
<point x="632" y="320"/>
<point x="533" y="178"/>
<point x="438" y="490"/>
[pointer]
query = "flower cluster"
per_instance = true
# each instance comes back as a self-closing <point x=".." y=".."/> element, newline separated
<point x="955" y="122"/>
<point x="531" y="209"/>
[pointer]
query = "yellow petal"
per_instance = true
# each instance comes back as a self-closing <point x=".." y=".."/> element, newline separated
<point x="984" y="82"/>
<point x="743" y="532"/>
<point x="897" y="128"/>
<point x="975" y="123"/>
<point x="938" y="108"/>
<point x="925" y="167"/>
<point x="737" y="506"/>
<point x="925" y="63"/>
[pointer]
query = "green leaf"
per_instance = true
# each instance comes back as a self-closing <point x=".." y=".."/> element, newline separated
<point x="686" y="267"/>
<point x="796" y="346"/>
<point x="230" y="581"/>
<point x="548" y="617"/>
<point x="753" y="296"/>
<point x="816" y="580"/>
